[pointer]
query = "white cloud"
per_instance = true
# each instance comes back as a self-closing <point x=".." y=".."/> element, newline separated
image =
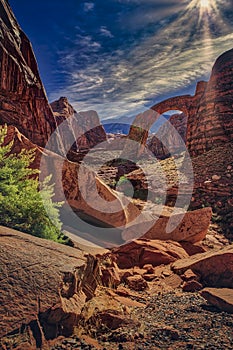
<point x="105" y="32"/>
<point x="88" y="6"/>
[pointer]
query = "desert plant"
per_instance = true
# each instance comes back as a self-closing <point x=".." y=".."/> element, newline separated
<point x="22" y="206"/>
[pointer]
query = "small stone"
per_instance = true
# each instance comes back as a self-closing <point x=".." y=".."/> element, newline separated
<point x="137" y="283"/>
<point x="192" y="286"/>
<point x="216" y="177"/>
<point x="189" y="275"/>
<point x="166" y="273"/>
<point x="149" y="268"/>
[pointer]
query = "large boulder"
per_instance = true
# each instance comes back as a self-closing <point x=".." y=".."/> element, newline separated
<point x="191" y="227"/>
<point x="215" y="267"/>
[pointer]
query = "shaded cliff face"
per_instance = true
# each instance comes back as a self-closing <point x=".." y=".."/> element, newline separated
<point x="85" y="124"/>
<point x="211" y="116"/>
<point x="23" y="102"/>
<point x="174" y="141"/>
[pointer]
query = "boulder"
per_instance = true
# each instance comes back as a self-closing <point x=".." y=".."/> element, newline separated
<point x="215" y="268"/>
<point x="192" y="286"/>
<point x="142" y="252"/>
<point x="137" y="282"/>
<point x="222" y="298"/>
<point x="192" y="228"/>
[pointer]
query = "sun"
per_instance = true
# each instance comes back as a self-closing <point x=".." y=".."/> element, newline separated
<point x="205" y="4"/>
<point x="209" y="7"/>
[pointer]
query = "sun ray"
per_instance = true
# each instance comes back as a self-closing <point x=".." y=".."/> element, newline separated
<point x="205" y="7"/>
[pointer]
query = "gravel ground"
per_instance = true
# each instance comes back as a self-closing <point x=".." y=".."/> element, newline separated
<point x="172" y="321"/>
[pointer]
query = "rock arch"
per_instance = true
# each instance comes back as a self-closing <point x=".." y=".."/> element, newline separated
<point x="139" y="130"/>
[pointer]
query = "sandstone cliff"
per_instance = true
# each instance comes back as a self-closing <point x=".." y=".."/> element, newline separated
<point x="23" y="101"/>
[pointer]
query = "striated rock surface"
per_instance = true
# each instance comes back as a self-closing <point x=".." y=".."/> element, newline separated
<point x="23" y="101"/>
<point x="84" y="124"/>
<point x="44" y="285"/>
<point x="172" y="141"/>
<point x="215" y="268"/>
<point x="209" y="111"/>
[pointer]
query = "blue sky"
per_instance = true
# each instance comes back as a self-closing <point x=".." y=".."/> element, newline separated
<point x="120" y="57"/>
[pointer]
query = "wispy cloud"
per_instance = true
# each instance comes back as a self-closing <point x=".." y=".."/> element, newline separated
<point x="88" y="6"/>
<point x="105" y="32"/>
<point x="126" y="79"/>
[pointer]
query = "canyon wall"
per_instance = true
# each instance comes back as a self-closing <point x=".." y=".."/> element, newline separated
<point x="23" y="101"/>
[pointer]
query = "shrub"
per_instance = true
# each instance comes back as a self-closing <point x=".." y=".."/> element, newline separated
<point x="21" y="204"/>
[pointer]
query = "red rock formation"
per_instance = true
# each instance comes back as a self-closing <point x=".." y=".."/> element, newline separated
<point x="44" y="285"/>
<point x="209" y="111"/>
<point x="141" y="252"/>
<point x="23" y="101"/>
<point x="86" y="124"/>
<point x="174" y="141"/>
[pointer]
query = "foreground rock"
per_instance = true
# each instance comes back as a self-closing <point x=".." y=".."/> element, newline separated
<point x="222" y="298"/>
<point x="142" y="252"/>
<point x="44" y="285"/>
<point x="215" y="268"/>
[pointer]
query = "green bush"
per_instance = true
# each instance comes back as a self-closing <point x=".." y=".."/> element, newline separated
<point x="21" y="204"/>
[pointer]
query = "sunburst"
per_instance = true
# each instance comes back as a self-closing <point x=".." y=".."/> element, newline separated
<point x="204" y="6"/>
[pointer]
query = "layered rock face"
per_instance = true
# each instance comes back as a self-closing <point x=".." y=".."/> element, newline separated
<point x="23" y="101"/>
<point x="172" y="142"/>
<point x="85" y="125"/>
<point x="210" y="118"/>
<point x="209" y="111"/>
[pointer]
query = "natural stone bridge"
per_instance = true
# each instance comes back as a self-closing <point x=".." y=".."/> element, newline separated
<point x="209" y="113"/>
<point x="139" y="130"/>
